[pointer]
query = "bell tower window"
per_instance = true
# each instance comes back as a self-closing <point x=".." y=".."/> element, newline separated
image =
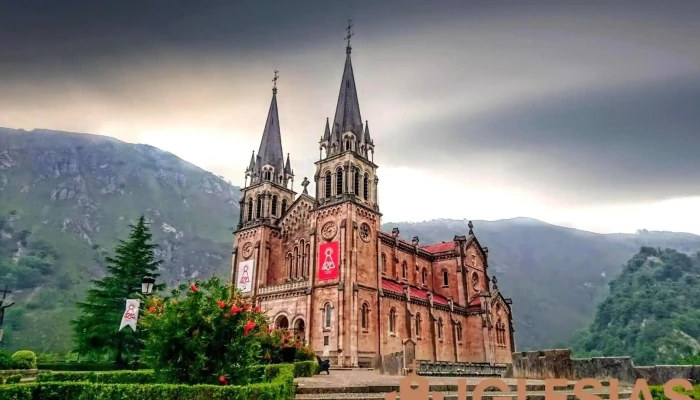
<point x="284" y="206"/>
<point x="328" y="184"/>
<point x="258" y="208"/>
<point x="274" y="206"/>
<point x="267" y="175"/>
<point x="339" y="181"/>
<point x="365" y="189"/>
<point x="250" y="209"/>
<point x="347" y="144"/>
<point x="356" y="183"/>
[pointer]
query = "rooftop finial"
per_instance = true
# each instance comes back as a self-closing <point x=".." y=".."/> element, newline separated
<point x="274" y="82"/>
<point x="349" y="35"/>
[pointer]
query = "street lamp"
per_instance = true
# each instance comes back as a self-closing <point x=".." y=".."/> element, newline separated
<point x="147" y="283"/>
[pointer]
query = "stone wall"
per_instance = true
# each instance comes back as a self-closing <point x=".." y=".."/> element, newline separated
<point x="547" y="364"/>
<point x="438" y="368"/>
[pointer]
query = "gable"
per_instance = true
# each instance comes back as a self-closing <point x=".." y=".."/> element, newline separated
<point x="297" y="214"/>
<point x="473" y="243"/>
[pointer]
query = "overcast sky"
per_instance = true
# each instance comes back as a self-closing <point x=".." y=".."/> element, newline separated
<point x="584" y="115"/>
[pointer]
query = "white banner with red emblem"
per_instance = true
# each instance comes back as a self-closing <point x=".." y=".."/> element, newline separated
<point x="244" y="280"/>
<point x="131" y="314"/>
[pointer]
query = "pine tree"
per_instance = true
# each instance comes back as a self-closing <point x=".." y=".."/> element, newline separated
<point x="96" y="330"/>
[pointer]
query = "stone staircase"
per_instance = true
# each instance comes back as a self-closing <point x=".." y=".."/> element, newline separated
<point x="535" y="391"/>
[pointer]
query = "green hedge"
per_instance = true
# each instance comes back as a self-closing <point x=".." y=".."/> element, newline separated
<point x="84" y="366"/>
<point x="305" y="368"/>
<point x="279" y="385"/>
<point x="140" y="377"/>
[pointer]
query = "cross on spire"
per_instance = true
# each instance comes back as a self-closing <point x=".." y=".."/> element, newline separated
<point x="348" y="36"/>
<point x="274" y="82"/>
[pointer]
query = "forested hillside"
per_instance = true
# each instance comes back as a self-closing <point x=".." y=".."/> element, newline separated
<point x="652" y="312"/>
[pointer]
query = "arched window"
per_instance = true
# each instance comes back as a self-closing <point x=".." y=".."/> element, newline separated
<point x="267" y="175"/>
<point x="288" y="260"/>
<point x="459" y="332"/>
<point x="439" y="330"/>
<point x="302" y="264"/>
<point x="418" y="325"/>
<point x="392" y="320"/>
<point x="308" y="261"/>
<point x="274" y="206"/>
<point x="250" y="209"/>
<point x="347" y="144"/>
<point x="424" y="275"/>
<point x="328" y="184"/>
<point x="356" y="182"/>
<point x="327" y="310"/>
<point x="383" y="263"/>
<point x="365" y="191"/>
<point x="339" y="181"/>
<point x="259" y="207"/>
<point x="284" y="207"/>
<point x="404" y="270"/>
<point x="365" y="315"/>
<point x="445" y="278"/>
<point x="295" y="259"/>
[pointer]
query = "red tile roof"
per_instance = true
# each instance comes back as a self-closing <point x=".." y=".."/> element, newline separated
<point x="439" y="247"/>
<point x="440" y="300"/>
<point x="476" y="302"/>
<point x="391" y="286"/>
<point x="419" y="294"/>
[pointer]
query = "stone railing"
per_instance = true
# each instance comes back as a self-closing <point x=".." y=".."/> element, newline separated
<point x="285" y="287"/>
<point x="445" y="368"/>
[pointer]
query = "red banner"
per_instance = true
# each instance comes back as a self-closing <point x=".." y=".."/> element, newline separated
<point x="328" y="261"/>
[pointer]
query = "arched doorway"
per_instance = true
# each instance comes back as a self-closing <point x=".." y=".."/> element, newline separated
<point x="282" y="322"/>
<point x="299" y="329"/>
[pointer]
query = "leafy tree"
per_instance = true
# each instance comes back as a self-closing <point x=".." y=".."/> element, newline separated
<point x="96" y="330"/>
<point x="204" y="334"/>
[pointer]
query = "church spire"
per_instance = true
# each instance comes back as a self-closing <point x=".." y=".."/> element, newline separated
<point x="270" y="153"/>
<point x="347" y="112"/>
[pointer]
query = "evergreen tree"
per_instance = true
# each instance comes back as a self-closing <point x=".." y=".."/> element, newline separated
<point x="96" y="330"/>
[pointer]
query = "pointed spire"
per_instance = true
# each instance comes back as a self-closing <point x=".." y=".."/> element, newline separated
<point x="368" y="139"/>
<point x="347" y="112"/>
<point x="271" y="144"/>
<point x="251" y="165"/>
<point x="288" y="166"/>
<point x="327" y="132"/>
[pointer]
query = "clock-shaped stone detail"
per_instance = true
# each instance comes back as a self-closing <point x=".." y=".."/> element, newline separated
<point x="329" y="230"/>
<point x="247" y="250"/>
<point x="365" y="232"/>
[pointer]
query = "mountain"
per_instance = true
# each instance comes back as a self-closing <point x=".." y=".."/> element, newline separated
<point x="65" y="201"/>
<point x="67" y="198"/>
<point x="652" y="312"/>
<point x="555" y="275"/>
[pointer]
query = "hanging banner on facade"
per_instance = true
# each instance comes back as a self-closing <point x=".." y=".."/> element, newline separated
<point x="328" y="261"/>
<point x="131" y="315"/>
<point x="244" y="280"/>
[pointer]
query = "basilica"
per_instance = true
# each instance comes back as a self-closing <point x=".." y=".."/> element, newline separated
<point x="320" y="265"/>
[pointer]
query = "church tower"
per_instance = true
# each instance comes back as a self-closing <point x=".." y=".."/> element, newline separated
<point x="270" y="189"/>
<point x="348" y="221"/>
<point x="267" y="194"/>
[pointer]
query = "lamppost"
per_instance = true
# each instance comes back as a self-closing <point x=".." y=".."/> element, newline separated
<point x="147" y="283"/>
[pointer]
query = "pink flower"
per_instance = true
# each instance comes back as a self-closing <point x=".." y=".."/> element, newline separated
<point x="246" y="307"/>
<point x="227" y="315"/>
<point x="151" y="309"/>
<point x="223" y="380"/>
<point x="235" y="310"/>
<point x="221" y="304"/>
<point x="257" y="309"/>
<point x="193" y="288"/>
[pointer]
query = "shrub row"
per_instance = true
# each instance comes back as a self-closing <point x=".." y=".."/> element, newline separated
<point x="12" y="379"/>
<point x="85" y="366"/>
<point x="140" y="377"/>
<point x="279" y="385"/>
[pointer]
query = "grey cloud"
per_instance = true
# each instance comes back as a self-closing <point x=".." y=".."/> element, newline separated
<point x="616" y="145"/>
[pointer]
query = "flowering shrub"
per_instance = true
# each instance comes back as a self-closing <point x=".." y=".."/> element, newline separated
<point x="274" y="340"/>
<point x="203" y="334"/>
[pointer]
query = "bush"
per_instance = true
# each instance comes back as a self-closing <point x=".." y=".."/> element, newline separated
<point x="5" y="360"/>
<point x="87" y="366"/>
<point x="278" y="386"/>
<point x="140" y="377"/>
<point x="305" y="368"/>
<point x="206" y="336"/>
<point x="24" y="359"/>
<point x="13" y="379"/>
<point x="305" y="353"/>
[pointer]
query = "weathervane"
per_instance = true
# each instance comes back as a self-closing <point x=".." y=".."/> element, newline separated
<point x="274" y="82"/>
<point x="349" y="35"/>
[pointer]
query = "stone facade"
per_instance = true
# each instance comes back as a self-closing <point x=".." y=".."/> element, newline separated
<point x="322" y="267"/>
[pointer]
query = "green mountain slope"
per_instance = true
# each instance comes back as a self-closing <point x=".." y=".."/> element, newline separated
<point x="555" y="275"/>
<point x="65" y="200"/>
<point x="652" y="312"/>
